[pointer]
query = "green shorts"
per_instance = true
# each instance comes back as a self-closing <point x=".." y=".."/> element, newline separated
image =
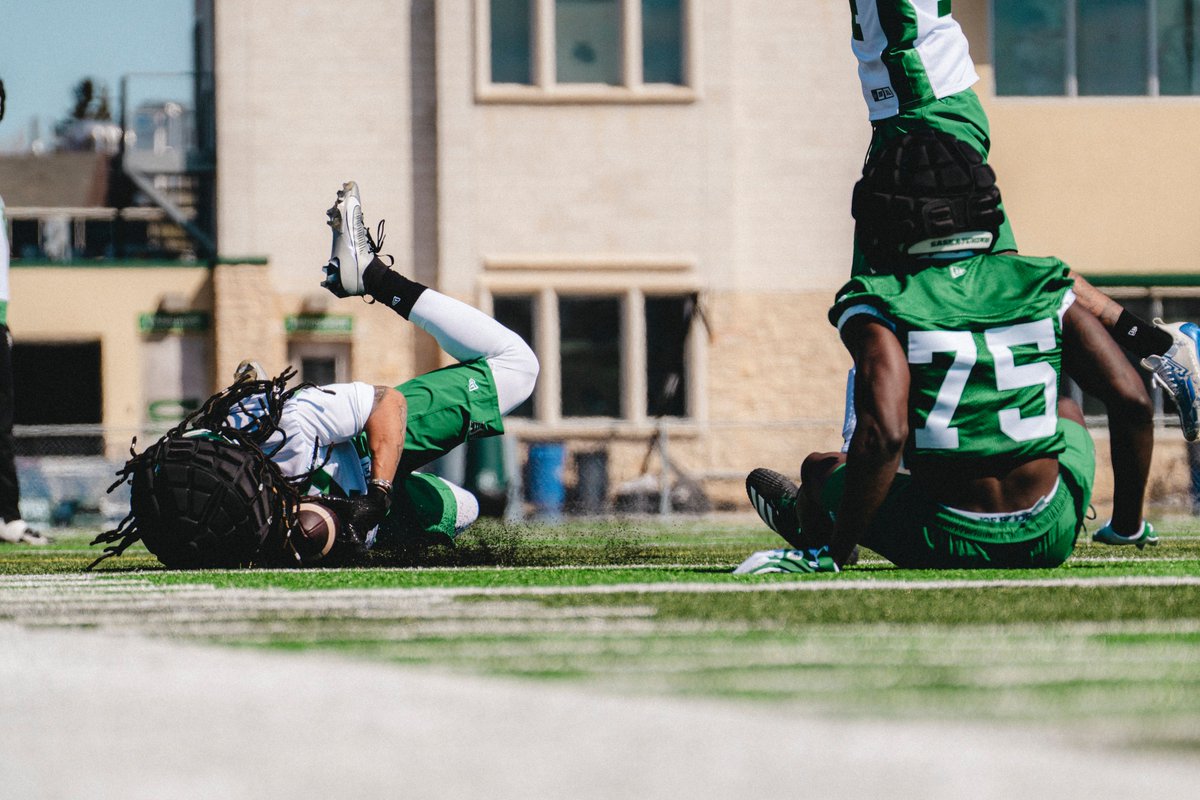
<point x="447" y="407"/>
<point x="959" y="115"/>
<point x="915" y="532"/>
<point x="424" y="508"/>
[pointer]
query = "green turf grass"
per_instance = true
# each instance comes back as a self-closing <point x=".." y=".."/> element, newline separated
<point x="650" y="608"/>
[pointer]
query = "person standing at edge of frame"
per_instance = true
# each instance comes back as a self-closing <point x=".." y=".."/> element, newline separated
<point x="14" y="530"/>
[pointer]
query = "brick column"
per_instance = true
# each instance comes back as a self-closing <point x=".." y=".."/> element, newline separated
<point x="246" y="320"/>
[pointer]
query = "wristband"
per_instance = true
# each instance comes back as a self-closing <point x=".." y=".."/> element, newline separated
<point x="386" y="486"/>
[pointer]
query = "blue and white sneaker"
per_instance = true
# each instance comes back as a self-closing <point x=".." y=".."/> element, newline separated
<point x="1178" y="372"/>
<point x="353" y="247"/>
<point x="1145" y="536"/>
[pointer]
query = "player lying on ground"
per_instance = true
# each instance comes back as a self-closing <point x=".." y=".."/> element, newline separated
<point x="224" y="488"/>
<point x="915" y="67"/>
<point x="959" y="355"/>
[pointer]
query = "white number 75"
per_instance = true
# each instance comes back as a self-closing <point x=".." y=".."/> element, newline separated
<point x="937" y="433"/>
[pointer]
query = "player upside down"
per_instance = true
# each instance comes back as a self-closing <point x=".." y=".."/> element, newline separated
<point x="959" y="355"/>
<point x="224" y="487"/>
<point x="916" y="73"/>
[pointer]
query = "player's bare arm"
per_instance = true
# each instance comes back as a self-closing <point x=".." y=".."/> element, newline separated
<point x="385" y="432"/>
<point x="881" y="396"/>
<point x="1097" y="364"/>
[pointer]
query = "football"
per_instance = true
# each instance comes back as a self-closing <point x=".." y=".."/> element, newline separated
<point x="317" y="531"/>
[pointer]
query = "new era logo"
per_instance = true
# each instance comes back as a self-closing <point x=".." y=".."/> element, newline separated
<point x="472" y="386"/>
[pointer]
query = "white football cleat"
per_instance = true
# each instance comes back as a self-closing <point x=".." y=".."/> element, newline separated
<point x="353" y="247"/>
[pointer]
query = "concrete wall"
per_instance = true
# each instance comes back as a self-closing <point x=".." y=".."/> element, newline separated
<point x="103" y="304"/>
<point x="1106" y="183"/>
<point x="738" y="189"/>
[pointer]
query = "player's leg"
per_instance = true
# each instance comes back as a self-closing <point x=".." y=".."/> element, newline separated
<point x="466" y="333"/>
<point x="1170" y="352"/>
<point x="9" y="488"/>
<point x="429" y="509"/>
<point x="12" y="527"/>
<point x="793" y="511"/>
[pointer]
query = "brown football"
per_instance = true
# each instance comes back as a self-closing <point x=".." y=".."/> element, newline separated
<point x="318" y="529"/>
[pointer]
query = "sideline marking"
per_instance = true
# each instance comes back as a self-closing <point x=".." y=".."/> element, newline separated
<point x="786" y="584"/>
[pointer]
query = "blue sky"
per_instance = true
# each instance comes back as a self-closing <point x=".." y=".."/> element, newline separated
<point x="48" y="46"/>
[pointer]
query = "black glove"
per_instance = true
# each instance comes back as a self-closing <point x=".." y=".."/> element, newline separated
<point x="369" y="509"/>
<point x="362" y="512"/>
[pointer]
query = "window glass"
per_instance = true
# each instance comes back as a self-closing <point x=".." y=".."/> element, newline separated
<point x="590" y="329"/>
<point x="1112" y="50"/>
<point x="1177" y="43"/>
<point x="516" y="314"/>
<point x="320" y="370"/>
<point x="1030" y="47"/>
<point x="662" y="41"/>
<point x="511" y="38"/>
<point x="667" y="322"/>
<point x="587" y="36"/>
<point x="68" y="372"/>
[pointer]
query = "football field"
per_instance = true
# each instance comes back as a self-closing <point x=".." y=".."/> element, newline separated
<point x="601" y="659"/>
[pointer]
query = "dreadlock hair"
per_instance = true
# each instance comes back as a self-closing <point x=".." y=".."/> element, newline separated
<point x="207" y="494"/>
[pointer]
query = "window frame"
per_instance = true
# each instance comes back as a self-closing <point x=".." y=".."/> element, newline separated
<point x="1071" y="57"/>
<point x="336" y="349"/>
<point x="545" y="89"/>
<point x="631" y="281"/>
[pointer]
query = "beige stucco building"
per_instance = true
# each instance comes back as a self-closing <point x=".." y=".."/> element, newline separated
<point x="722" y="192"/>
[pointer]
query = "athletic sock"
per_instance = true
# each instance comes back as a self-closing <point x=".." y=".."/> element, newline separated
<point x="1140" y="337"/>
<point x="390" y="287"/>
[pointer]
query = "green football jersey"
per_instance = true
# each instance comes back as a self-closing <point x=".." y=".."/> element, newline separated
<point x="910" y="52"/>
<point x="983" y="337"/>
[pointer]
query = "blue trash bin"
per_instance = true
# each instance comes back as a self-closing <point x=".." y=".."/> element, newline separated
<point x="546" y="490"/>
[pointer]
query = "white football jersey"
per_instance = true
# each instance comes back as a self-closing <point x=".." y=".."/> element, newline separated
<point x="318" y="426"/>
<point x="910" y="52"/>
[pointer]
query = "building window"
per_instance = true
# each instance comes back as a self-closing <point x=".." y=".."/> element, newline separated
<point x="1097" y="47"/>
<point x="320" y="362"/>
<point x="598" y="50"/>
<point x="511" y="42"/>
<point x="587" y="41"/>
<point x="590" y="356"/>
<point x="610" y="356"/>
<point x="516" y="314"/>
<point x="59" y="383"/>
<point x="667" y="322"/>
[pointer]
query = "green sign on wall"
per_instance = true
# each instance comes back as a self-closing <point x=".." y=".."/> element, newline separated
<point x="319" y="323"/>
<point x="174" y="322"/>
